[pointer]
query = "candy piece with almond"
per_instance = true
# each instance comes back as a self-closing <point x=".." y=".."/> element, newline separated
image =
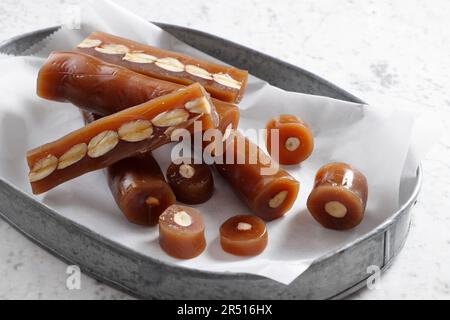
<point x="244" y="236"/>
<point x="295" y="141"/>
<point x="339" y="197"/>
<point x="122" y="135"/>
<point x="103" y="88"/>
<point x="268" y="190"/>
<point x="222" y="82"/>
<point x="182" y="232"/>
<point x="191" y="183"/>
<point x="140" y="190"/>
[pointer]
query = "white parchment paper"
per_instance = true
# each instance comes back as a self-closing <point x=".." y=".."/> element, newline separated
<point x="373" y="138"/>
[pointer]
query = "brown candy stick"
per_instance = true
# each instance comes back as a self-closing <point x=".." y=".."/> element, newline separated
<point x="104" y="89"/>
<point x="268" y="196"/>
<point x="222" y="82"/>
<point x="140" y="190"/>
<point x="125" y="134"/>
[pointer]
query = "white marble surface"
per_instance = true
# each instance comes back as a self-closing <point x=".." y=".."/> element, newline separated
<point x="386" y="52"/>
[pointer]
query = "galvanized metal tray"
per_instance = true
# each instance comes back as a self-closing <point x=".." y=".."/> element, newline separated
<point x="333" y="276"/>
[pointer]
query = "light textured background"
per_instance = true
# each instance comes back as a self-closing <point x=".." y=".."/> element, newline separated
<point x="386" y="52"/>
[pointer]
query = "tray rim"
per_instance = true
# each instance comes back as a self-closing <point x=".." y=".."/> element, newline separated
<point x="383" y="227"/>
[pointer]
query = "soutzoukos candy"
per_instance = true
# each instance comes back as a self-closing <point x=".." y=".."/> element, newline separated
<point x="270" y="195"/>
<point x="122" y="135"/>
<point x="222" y="82"/>
<point x="103" y="88"/>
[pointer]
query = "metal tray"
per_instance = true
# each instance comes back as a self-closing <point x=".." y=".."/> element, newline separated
<point x="333" y="276"/>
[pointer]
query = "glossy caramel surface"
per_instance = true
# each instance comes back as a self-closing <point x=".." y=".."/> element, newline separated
<point x="290" y="126"/>
<point x="179" y="241"/>
<point x="94" y="85"/>
<point x="138" y="186"/>
<point x="195" y="189"/>
<point x="103" y="88"/>
<point x="146" y="111"/>
<point x="244" y="235"/>
<point x="139" y="189"/>
<point x="254" y="188"/>
<point x="341" y="183"/>
<point x="217" y="90"/>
